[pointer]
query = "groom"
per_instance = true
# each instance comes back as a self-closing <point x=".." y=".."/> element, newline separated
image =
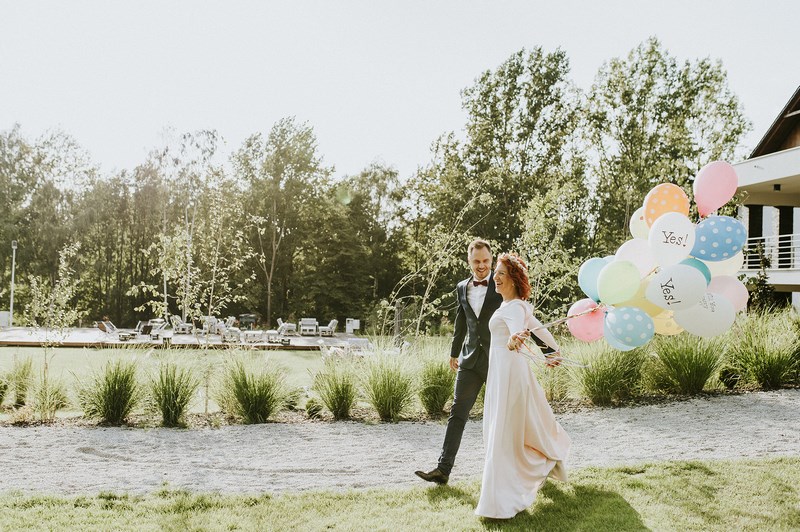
<point x="477" y="301"/>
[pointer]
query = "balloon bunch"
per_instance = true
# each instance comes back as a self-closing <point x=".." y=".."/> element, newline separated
<point x="673" y="275"/>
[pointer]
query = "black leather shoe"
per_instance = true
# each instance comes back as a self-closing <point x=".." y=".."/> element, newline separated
<point x="433" y="476"/>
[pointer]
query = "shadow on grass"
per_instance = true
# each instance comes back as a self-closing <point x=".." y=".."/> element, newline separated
<point x="573" y="507"/>
<point x="442" y="494"/>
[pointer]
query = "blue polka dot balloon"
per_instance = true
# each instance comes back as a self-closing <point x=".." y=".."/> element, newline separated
<point x="718" y="238"/>
<point x="630" y="326"/>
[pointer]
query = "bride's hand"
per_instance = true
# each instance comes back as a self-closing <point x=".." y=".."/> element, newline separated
<point x="552" y="360"/>
<point x="516" y="340"/>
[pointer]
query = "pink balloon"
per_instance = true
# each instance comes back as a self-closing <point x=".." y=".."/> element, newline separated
<point x="731" y="289"/>
<point x="714" y="186"/>
<point x="588" y="327"/>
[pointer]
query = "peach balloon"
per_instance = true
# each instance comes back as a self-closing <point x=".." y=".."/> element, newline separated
<point x="665" y="198"/>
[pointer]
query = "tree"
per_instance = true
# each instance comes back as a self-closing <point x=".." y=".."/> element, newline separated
<point x="282" y="172"/>
<point x="653" y="120"/>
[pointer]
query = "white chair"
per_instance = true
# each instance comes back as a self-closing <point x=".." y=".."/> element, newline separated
<point x="308" y="326"/>
<point x="329" y="329"/>
<point x="253" y="337"/>
<point x="180" y="326"/>
<point x="286" y="328"/>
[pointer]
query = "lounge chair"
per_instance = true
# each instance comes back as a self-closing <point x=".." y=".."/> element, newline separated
<point x="180" y="326"/>
<point x="286" y="328"/>
<point x="308" y="326"/>
<point x="329" y="329"/>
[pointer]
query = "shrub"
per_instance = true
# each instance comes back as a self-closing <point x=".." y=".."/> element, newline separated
<point x="765" y="350"/>
<point x="251" y="396"/>
<point x="336" y="385"/>
<point x="313" y="408"/>
<point x="437" y="382"/>
<point x="388" y="388"/>
<point x="20" y="380"/>
<point x="172" y="391"/>
<point x="3" y="388"/>
<point x="111" y="394"/>
<point x="610" y="375"/>
<point x="49" y="396"/>
<point x="682" y="364"/>
<point x="292" y="398"/>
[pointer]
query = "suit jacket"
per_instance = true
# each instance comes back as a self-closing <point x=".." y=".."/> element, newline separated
<point x="471" y="337"/>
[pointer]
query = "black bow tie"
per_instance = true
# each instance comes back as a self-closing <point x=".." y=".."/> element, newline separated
<point x="480" y="283"/>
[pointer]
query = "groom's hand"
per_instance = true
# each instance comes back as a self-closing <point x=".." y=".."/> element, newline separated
<point x="454" y="363"/>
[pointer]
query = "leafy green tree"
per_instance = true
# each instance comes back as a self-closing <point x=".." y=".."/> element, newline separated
<point x="652" y="119"/>
<point x="282" y="173"/>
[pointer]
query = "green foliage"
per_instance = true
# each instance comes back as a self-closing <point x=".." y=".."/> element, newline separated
<point x="252" y="396"/>
<point x="336" y="385"/>
<point x="111" y="394"/>
<point x="20" y="380"/>
<point x="610" y="375"/>
<point x="313" y="408"/>
<point x="49" y="396"/>
<point x="437" y="382"/>
<point x="764" y="349"/>
<point x="172" y="391"/>
<point x="388" y="387"/>
<point x="682" y="364"/>
<point x="652" y="119"/>
<point x="4" y="386"/>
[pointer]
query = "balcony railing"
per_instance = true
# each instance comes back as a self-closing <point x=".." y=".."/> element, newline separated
<point x="781" y="252"/>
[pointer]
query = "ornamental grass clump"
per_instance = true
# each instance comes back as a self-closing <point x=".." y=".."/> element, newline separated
<point x="111" y="394"/>
<point x="20" y="379"/>
<point x="765" y="349"/>
<point x="335" y="384"/>
<point x="682" y="364"/>
<point x="610" y="375"/>
<point x="3" y="388"/>
<point x="252" y="396"/>
<point x="388" y="387"/>
<point x="172" y="391"/>
<point x="436" y="385"/>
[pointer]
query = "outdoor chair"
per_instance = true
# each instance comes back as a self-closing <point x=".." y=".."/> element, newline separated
<point x="231" y="335"/>
<point x="158" y="327"/>
<point x="359" y="347"/>
<point x="286" y="328"/>
<point x="308" y="327"/>
<point x="329" y="329"/>
<point x="209" y="324"/>
<point x="180" y="326"/>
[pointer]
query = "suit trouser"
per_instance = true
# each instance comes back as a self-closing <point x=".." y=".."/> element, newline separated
<point x="468" y="386"/>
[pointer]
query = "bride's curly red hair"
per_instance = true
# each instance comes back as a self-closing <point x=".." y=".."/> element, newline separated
<point x="518" y="272"/>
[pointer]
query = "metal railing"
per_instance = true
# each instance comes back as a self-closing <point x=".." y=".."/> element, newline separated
<point x="780" y="251"/>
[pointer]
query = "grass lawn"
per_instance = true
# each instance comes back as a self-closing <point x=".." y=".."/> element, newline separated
<point x="70" y="364"/>
<point x="719" y="495"/>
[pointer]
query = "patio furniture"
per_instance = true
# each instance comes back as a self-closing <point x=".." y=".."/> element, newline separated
<point x="231" y="335"/>
<point x="158" y="326"/>
<point x="253" y="337"/>
<point x="286" y="328"/>
<point x="308" y="326"/>
<point x="329" y="329"/>
<point x="180" y="326"/>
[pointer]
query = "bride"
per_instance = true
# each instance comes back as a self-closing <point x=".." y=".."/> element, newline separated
<point x="524" y="443"/>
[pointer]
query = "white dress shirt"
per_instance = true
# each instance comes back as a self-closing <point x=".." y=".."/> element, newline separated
<point x="476" y="295"/>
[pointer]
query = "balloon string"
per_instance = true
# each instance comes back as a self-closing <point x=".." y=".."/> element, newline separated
<point x="564" y="320"/>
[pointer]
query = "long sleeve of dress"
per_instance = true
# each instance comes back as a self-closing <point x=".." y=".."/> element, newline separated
<point x="543" y="334"/>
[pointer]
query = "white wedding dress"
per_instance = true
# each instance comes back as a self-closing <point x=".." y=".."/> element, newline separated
<point x="524" y="443"/>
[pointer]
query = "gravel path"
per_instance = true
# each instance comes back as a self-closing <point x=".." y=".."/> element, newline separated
<point x="334" y="456"/>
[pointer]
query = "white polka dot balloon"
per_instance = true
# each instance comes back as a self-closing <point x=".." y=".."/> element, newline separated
<point x="629" y="325"/>
<point x="718" y="238"/>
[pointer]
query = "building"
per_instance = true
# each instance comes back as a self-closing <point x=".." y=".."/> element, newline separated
<point x="771" y="179"/>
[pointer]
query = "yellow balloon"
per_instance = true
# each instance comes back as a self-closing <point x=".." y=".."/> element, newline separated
<point x="665" y="324"/>
<point x="639" y="300"/>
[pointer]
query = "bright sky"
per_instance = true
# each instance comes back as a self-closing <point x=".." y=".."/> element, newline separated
<point x="377" y="80"/>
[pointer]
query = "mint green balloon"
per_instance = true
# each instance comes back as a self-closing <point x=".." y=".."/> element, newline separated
<point x="618" y="282"/>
